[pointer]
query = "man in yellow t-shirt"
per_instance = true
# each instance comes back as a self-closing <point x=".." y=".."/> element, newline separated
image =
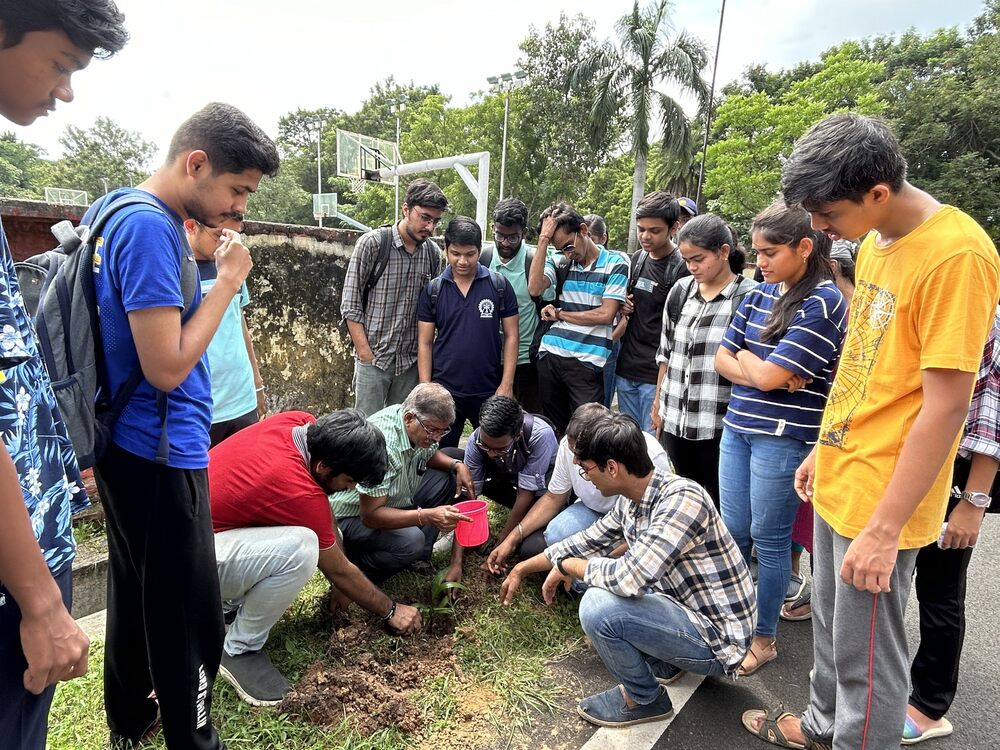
<point x="928" y="281"/>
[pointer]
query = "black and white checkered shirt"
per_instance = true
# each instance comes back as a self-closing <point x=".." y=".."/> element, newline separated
<point x="391" y="318"/>
<point x="693" y="396"/>
<point x="678" y="547"/>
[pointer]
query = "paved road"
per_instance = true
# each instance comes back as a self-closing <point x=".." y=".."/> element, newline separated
<point x="709" y="716"/>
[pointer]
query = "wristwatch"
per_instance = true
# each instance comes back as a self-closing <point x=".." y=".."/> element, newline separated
<point x="978" y="499"/>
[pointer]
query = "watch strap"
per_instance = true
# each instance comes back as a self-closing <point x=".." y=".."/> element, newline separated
<point x="978" y="499"/>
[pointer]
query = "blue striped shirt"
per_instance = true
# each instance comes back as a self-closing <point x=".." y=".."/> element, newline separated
<point x="809" y="349"/>
<point x="585" y="289"/>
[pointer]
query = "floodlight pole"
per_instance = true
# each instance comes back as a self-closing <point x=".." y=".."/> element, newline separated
<point x="505" y="82"/>
<point x="711" y="98"/>
<point x="319" y="164"/>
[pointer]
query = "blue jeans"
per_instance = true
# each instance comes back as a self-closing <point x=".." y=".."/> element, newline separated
<point x="609" y="373"/>
<point x="573" y="518"/>
<point x="636" y="400"/>
<point x="625" y="631"/>
<point x="758" y="504"/>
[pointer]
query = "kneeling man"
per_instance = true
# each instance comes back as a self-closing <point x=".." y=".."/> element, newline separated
<point x="269" y="485"/>
<point x="679" y="598"/>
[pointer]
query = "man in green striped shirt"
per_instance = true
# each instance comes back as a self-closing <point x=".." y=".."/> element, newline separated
<point x="393" y="525"/>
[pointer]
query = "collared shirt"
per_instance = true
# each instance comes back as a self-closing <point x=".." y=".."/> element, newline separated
<point x="982" y="429"/>
<point x="586" y="288"/>
<point x="679" y="548"/>
<point x="390" y="321"/>
<point x="693" y="396"/>
<point x="527" y="463"/>
<point x="32" y="428"/>
<point x="407" y="463"/>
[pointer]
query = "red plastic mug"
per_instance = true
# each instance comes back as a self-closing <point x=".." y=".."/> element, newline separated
<point x="475" y="532"/>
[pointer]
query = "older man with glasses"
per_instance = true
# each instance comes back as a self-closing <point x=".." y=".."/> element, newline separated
<point x="393" y="526"/>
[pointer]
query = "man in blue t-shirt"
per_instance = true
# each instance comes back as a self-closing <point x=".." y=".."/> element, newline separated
<point x="459" y="338"/>
<point x="574" y="351"/>
<point x="237" y="388"/>
<point x="41" y="46"/>
<point x="164" y="607"/>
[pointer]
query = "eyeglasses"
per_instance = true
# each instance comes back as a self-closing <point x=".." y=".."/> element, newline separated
<point x="570" y="246"/>
<point x="433" y="432"/>
<point x="507" y="239"/>
<point x="425" y="218"/>
<point x="494" y="452"/>
<point x="585" y="471"/>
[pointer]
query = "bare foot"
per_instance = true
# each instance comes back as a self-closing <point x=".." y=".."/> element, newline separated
<point x="800" y="611"/>
<point x="923" y="722"/>
<point x="790" y="726"/>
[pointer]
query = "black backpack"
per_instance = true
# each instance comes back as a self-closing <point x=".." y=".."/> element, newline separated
<point x="679" y="294"/>
<point x="60" y="296"/>
<point x="382" y="262"/>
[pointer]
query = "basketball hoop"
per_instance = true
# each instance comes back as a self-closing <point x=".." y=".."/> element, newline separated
<point x="357" y="184"/>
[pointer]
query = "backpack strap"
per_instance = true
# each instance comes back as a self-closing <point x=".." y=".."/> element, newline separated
<point x="486" y="256"/>
<point x="679" y="294"/>
<point x="638" y="263"/>
<point x="434" y="289"/>
<point x="381" y="263"/>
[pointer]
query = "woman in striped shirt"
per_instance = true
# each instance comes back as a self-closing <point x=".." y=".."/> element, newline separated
<point x="779" y="353"/>
<point x="687" y="417"/>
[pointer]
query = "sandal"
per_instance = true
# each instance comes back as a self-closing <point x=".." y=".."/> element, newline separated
<point x="769" y="731"/>
<point x="796" y="587"/>
<point x="802" y="601"/>
<point x="761" y="661"/>
<point x="912" y="734"/>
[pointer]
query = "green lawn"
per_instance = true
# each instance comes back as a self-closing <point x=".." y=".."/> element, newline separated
<point x="496" y="690"/>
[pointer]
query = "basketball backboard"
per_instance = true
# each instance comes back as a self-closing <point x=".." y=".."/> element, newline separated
<point x="324" y="205"/>
<point x="361" y="156"/>
<point x="66" y="197"/>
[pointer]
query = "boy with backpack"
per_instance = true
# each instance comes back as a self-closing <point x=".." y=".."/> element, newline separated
<point x="165" y="625"/>
<point x="42" y="45"/>
<point x="467" y="316"/>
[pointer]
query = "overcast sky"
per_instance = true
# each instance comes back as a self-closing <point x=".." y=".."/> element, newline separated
<point x="269" y="58"/>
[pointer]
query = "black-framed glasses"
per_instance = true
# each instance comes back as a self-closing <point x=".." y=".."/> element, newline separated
<point x="508" y="239"/>
<point x="570" y="246"/>
<point x="434" y="432"/>
<point x="495" y="452"/>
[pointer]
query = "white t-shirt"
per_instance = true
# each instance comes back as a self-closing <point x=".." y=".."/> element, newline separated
<point x="566" y="476"/>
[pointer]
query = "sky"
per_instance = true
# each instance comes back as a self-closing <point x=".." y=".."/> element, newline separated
<point x="271" y="58"/>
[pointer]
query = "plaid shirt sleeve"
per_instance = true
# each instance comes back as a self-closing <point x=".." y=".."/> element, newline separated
<point x="982" y="430"/>
<point x="602" y="536"/>
<point x="360" y="267"/>
<point x="671" y="530"/>
<point x="666" y="331"/>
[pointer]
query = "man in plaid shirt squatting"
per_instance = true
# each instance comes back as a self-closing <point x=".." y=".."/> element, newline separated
<point x="678" y="598"/>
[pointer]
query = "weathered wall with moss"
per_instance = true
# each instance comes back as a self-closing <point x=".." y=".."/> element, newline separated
<point x="294" y="314"/>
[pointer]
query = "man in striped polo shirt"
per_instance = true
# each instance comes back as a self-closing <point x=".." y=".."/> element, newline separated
<point x="574" y="351"/>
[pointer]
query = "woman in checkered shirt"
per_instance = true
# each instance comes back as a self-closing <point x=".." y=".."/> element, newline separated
<point x="693" y="397"/>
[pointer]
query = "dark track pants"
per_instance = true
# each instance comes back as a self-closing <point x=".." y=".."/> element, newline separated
<point x="165" y="626"/>
<point x="563" y="385"/>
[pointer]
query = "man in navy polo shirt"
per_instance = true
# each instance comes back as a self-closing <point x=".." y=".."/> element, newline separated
<point x="460" y="316"/>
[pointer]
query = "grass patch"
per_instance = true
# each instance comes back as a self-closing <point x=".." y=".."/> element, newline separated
<point x="495" y="689"/>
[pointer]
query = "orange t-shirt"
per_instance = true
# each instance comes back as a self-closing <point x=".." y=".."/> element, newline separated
<point x="925" y="301"/>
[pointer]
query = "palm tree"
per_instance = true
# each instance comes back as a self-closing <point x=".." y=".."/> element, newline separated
<point x="625" y="81"/>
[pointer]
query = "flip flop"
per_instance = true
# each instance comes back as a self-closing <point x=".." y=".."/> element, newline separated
<point x="769" y="731"/>
<point x="787" y="607"/>
<point x="912" y="734"/>
<point x="760" y="662"/>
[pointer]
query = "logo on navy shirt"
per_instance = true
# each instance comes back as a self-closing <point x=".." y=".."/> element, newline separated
<point x="486" y="308"/>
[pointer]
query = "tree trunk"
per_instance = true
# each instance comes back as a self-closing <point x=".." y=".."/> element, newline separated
<point x="638" y="190"/>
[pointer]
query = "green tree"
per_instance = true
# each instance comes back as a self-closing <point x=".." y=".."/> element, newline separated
<point x="281" y="199"/>
<point x="628" y="80"/>
<point x="24" y="171"/>
<point x="104" y="154"/>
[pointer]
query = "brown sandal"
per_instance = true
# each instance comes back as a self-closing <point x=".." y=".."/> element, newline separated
<point x="769" y="731"/>
<point x="744" y="672"/>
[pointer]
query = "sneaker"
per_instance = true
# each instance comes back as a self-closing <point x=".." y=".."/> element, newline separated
<point x="254" y="677"/>
<point x="608" y="709"/>
<point x="796" y="585"/>
<point x="422" y="568"/>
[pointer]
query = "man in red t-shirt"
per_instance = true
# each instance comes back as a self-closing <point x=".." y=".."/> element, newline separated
<point x="269" y="485"/>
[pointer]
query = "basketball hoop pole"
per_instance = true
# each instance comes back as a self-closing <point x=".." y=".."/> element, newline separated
<point x="478" y="185"/>
<point x="319" y="162"/>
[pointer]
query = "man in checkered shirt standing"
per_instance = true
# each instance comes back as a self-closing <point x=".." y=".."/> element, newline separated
<point x="679" y="598"/>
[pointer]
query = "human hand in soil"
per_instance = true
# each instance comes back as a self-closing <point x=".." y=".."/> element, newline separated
<point x="551" y="585"/>
<point x="406" y="621"/>
<point x="453" y="575"/>
<point x="510" y="586"/>
<point x="444" y="518"/>
<point x="496" y="563"/>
